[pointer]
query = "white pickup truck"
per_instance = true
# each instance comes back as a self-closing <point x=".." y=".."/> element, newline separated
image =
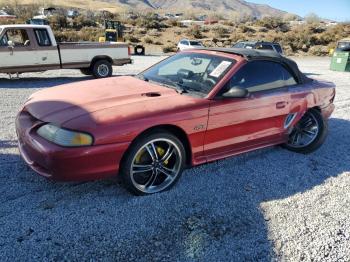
<point x="33" y="48"/>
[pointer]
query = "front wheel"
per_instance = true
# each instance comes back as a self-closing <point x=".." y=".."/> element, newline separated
<point x="153" y="164"/>
<point x="308" y="134"/>
<point x="102" y="69"/>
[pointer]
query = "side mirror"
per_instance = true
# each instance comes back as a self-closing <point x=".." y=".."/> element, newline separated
<point x="10" y="43"/>
<point x="236" y="92"/>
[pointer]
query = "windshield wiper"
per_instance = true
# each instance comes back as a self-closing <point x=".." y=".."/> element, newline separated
<point x="142" y="77"/>
<point x="178" y="86"/>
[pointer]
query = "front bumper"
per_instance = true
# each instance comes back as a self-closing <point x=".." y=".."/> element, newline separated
<point x="65" y="164"/>
<point x="327" y="111"/>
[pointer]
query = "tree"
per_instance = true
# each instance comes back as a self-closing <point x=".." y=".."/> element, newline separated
<point x="312" y="18"/>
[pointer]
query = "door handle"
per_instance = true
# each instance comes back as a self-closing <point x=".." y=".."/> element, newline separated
<point x="280" y="105"/>
<point x="11" y="49"/>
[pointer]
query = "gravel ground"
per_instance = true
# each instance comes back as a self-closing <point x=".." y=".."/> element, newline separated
<point x="266" y="205"/>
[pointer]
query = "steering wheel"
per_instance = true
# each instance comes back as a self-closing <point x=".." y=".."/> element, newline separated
<point x="206" y="78"/>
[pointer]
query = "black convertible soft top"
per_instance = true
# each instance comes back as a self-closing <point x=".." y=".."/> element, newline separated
<point x="253" y="54"/>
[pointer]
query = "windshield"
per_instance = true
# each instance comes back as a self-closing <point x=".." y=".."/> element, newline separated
<point x="189" y="72"/>
<point x="195" y="43"/>
<point x="278" y="48"/>
<point x="239" y="45"/>
<point x="343" y="46"/>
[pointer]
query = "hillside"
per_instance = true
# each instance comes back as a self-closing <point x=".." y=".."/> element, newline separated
<point x="224" y="7"/>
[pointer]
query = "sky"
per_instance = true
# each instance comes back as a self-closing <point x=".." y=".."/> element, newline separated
<point x="338" y="10"/>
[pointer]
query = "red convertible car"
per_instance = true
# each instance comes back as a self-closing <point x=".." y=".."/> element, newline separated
<point x="191" y="108"/>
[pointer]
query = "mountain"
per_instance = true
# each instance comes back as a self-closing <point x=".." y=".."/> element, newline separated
<point x="239" y="7"/>
<point x="197" y="7"/>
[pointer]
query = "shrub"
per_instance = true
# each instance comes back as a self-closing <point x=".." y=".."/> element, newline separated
<point x="132" y="39"/>
<point x="173" y="23"/>
<point x="169" y="48"/>
<point x="150" y="21"/>
<point x="273" y="23"/>
<point x="194" y="31"/>
<point x="85" y="34"/>
<point x="148" y="40"/>
<point x="82" y="21"/>
<point x="246" y="29"/>
<point x="58" y="21"/>
<point x="220" y="31"/>
<point x="319" y="50"/>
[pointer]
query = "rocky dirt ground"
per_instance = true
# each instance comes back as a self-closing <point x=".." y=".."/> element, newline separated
<point x="266" y="205"/>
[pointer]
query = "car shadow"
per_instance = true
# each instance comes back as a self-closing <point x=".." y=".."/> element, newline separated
<point x="215" y="212"/>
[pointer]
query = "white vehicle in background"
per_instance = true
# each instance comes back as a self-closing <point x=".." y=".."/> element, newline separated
<point x="33" y="48"/>
<point x="189" y="44"/>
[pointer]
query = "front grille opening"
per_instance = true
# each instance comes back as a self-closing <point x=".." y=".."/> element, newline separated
<point x="151" y="94"/>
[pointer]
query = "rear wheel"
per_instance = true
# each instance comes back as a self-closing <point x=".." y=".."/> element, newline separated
<point x="153" y="164"/>
<point x="308" y="134"/>
<point x="102" y="69"/>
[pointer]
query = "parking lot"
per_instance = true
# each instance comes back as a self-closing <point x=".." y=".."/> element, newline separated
<point x="264" y="205"/>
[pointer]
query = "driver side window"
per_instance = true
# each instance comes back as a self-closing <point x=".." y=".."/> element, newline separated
<point x="4" y="41"/>
<point x="262" y="75"/>
<point x="18" y="37"/>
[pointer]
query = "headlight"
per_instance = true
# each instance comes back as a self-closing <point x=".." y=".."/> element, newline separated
<point x="64" y="137"/>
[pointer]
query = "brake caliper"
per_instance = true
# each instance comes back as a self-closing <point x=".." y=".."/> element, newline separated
<point x="161" y="153"/>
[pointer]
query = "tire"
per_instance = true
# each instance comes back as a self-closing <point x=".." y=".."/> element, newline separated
<point x="311" y="116"/>
<point x="139" y="158"/>
<point x="102" y="69"/>
<point x="86" y="71"/>
<point x="139" y="50"/>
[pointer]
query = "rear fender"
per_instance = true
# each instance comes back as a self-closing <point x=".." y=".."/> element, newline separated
<point x="298" y="109"/>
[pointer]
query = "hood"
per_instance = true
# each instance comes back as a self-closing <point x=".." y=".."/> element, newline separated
<point x="128" y="94"/>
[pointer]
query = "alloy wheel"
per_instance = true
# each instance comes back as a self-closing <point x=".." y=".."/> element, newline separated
<point x="304" y="132"/>
<point x="156" y="165"/>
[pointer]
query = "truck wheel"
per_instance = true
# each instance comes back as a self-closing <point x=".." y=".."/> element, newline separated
<point x="139" y="50"/>
<point x="102" y="69"/>
<point x="86" y="71"/>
